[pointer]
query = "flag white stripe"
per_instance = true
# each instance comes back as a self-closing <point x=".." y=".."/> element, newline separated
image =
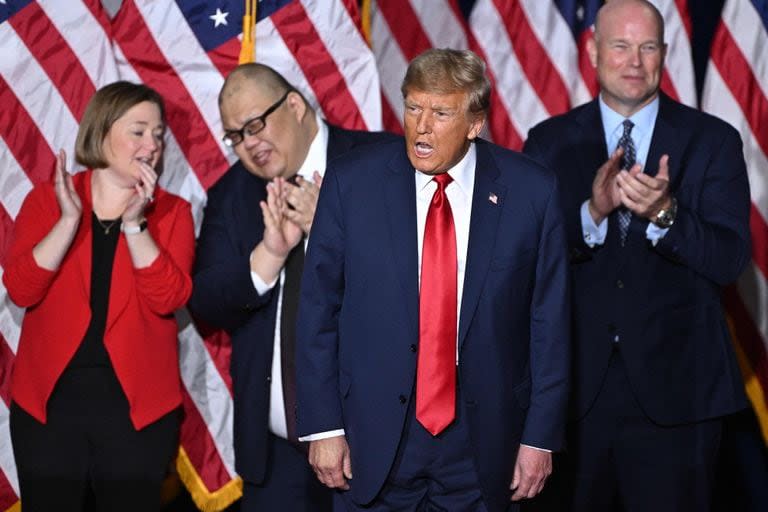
<point x="679" y="61"/>
<point x="179" y="46"/>
<point x="750" y="36"/>
<point x="440" y="24"/>
<point x="518" y="97"/>
<point x="208" y="392"/>
<point x="555" y="37"/>
<point x="86" y="37"/>
<point x="39" y="96"/>
<point x="718" y="100"/>
<point x="390" y="59"/>
<point x="10" y="318"/>
<point x="7" y="463"/>
<point x="351" y="55"/>
<point x="14" y="183"/>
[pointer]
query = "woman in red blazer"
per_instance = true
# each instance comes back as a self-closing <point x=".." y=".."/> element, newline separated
<point x="101" y="261"/>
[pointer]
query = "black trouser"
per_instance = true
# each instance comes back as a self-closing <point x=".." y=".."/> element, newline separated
<point x="90" y="442"/>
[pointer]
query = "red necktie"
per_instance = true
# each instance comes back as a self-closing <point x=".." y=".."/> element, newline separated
<point x="436" y="369"/>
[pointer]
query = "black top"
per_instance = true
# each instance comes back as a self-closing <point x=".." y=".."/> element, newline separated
<point x="91" y="352"/>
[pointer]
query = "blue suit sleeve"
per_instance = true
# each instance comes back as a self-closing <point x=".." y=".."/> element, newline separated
<point x="550" y="335"/>
<point x="322" y="291"/>
<point x="711" y="231"/>
<point x="223" y="294"/>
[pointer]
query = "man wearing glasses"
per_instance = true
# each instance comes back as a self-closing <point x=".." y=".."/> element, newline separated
<point x="249" y="260"/>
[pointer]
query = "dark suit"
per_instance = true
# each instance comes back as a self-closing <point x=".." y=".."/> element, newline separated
<point x="358" y="316"/>
<point x="662" y="302"/>
<point x="224" y="297"/>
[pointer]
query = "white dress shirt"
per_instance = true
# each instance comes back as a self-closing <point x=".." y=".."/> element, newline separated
<point x="644" y="121"/>
<point x="315" y="161"/>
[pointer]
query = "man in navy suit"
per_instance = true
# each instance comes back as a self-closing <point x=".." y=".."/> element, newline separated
<point x="246" y="277"/>
<point x="656" y="204"/>
<point x="433" y="342"/>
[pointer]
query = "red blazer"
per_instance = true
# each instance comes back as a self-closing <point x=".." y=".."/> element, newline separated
<point x="141" y="331"/>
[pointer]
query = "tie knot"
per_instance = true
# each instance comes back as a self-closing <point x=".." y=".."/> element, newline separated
<point x="442" y="180"/>
<point x="628" y="125"/>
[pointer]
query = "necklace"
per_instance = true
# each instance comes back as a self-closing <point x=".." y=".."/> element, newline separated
<point x="106" y="227"/>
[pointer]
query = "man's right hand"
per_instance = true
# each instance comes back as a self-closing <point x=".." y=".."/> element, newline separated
<point x="280" y="234"/>
<point x="605" y="191"/>
<point x="330" y="458"/>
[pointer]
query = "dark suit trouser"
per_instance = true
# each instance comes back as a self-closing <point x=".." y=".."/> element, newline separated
<point x="620" y="460"/>
<point x="89" y="445"/>
<point x="429" y="474"/>
<point x="289" y="485"/>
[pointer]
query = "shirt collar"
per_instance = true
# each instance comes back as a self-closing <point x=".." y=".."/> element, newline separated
<point x="643" y="120"/>
<point x="463" y="173"/>
<point x="318" y="151"/>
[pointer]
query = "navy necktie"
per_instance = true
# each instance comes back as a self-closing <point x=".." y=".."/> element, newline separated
<point x="627" y="161"/>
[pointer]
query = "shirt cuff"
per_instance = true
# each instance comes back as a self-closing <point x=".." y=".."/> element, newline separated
<point x="593" y="234"/>
<point x="323" y="435"/>
<point x="654" y="233"/>
<point x="259" y="284"/>
<point x="536" y="448"/>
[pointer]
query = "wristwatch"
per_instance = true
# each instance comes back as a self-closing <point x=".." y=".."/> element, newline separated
<point x="666" y="216"/>
<point x="133" y="230"/>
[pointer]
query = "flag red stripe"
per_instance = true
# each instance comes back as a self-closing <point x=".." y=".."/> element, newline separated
<point x="6" y="230"/>
<point x="6" y="365"/>
<point x="685" y="15"/>
<point x="534" y="59"/>
<point x="353" y="9"/>
<point x="759" y="230"/>
<point x="588" y="72"/>
<point x="59" y="62"/>
<point x="219" y="347"/>
<point x="747" y="336"/>
<point x="24" y="139"/>
<point x="403" y="23"/>
<point x="98" y="12"/>
<point x="318" y="66"/>
<point x="389" y="119"/>
<point x="225" y="56"/>
<point x="201" y="450"/>
<point x="500" y="124"/>
<point x="8" y="498"/>
<point x="668" y="86"/>
<point x="196" y="141"/>
<point x="737" y="75"/>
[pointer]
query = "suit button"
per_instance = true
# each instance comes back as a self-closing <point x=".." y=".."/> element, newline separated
<point x="619" y="283"/>
<point x="402" y="399"/>
<point x="247" y="308"/>
<point x="269" y="378"/>
<point x="413" y="347"/>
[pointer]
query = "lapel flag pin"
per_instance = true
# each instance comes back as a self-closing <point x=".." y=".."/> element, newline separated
<point x="493" y="198"/>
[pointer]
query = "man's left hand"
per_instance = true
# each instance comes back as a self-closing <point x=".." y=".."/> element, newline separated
<point x="302" y="197"/>
<point x="531" y="471"/>
<point x="642" y="194"/>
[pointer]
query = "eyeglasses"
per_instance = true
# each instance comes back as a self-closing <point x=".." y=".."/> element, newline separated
<point x="252" y="126"/>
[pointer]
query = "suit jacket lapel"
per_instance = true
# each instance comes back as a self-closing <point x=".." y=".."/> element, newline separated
<point x="668" y="139"/>
<point x="483" y="228"/>
<point x="399" y="188"/>
<point x="592" y="151"/>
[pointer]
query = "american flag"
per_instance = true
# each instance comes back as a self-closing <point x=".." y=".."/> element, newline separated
<point x="736" y="90"/>
<point x="54" y="57"/>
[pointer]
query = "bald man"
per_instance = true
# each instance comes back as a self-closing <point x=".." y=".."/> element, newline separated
<point x="656" y="202"/>
<point x="249" y="260"/>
